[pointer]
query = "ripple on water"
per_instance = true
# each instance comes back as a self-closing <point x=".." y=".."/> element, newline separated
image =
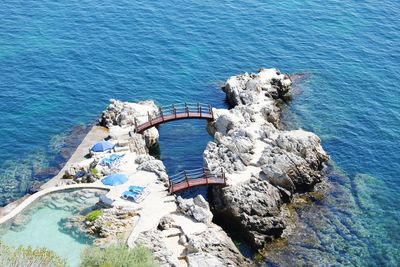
<point x="60" y="62"/>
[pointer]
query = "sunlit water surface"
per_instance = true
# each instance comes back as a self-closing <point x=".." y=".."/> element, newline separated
<point x="60" y="62"/>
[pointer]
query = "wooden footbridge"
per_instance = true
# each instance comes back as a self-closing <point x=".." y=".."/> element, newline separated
<point x="176" y="112"/>
<point x="185" y="179"/>
<point x="197" y="177"/>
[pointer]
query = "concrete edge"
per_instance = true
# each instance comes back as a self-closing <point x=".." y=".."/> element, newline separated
<point x="32" y="198"/>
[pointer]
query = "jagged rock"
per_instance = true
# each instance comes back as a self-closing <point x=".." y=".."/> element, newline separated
<point x="217" y="156"/>
<point x="107" y="227"/>
<point x="119" y="133"/>
<point x="153" y="240"/>
<point x="137" y="144"/>
<point x="150" y="164"/>
<point x="183" y="240"/>
<point x="143" y="158"/>
<point x="201" y="202"/>
<point x="214" y="244"/>
<point x="151" y="136"/>
<point x="269" y="163"/>
<point x="294" y="162"/>
<point x="127" y="115"/>
<point x="124" y="113"/>
<point x="165" y="223"/>
<point x="203" y="260"/>
<point x="246" y="89"/>
<point x="198" y="208"/>
<point x="255" y="208"/>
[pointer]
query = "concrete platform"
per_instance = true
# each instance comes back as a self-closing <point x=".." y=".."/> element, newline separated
<point x="96" y="134"/>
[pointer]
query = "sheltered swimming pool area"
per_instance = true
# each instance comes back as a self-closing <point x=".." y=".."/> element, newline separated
<point x="44" y="223"/>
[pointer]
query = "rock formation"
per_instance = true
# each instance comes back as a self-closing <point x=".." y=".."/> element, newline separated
<point x="266" y="165"/>
<point x="198" y="244"/>
<point x="126" y="115"/>
<point x="197" y="208"/>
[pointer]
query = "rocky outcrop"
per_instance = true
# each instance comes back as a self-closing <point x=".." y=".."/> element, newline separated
<point x="196" y="208"/>
<point x="151" y="164"/>
<point x="194" y="243"/>
<point x="213" y="245"/>
<point x="294" y="161"/>
<point x="107" y="228"/>
<point x="254" y="207"/>
<point x="137" y="144"/>
<point x="153" y="240"/>
<point x="265" y="164"/>
<point x="126" y="115"/>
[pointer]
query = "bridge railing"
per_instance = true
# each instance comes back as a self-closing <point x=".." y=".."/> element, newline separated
<point x="193" y="174"/>
<point x="182" y="108"/>
<point x="172" y="111"/>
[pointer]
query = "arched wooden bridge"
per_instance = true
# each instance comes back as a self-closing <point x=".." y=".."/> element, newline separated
<point x="197" y="177"/>
<point x="176" y="112"/>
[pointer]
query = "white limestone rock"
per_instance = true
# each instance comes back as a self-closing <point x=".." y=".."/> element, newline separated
<point x="197" y="208"/>
<point x="150" y="164"/>
<point x="151" y="136"/>
<point x="269" y="164"/>
<point x="212" y="246"/>
<point x="126" y="115"/>
<point x="153" y="240"/>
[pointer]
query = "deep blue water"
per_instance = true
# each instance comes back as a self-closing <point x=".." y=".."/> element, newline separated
<point x="60" y="62"/>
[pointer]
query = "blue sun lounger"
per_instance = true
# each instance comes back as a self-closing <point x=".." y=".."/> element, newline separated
<point x="111" y="160"/>
<point x="130" y="195"/>
<point x="135" y="193"/>
<point x="136" y="188"/>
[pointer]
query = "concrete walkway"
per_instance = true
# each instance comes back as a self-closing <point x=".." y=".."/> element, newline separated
<point x="32" y="198"/>
<point x="156" y="205"/>
<point x="96" y="134"/>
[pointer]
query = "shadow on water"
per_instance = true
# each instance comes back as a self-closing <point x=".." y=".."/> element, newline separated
<point x="65" y="226"/>
<point x="155" y="151"/>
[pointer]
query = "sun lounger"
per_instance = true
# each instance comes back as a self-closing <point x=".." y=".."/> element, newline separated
<point x="112" y="160"/>
<point x="134" y="188"/>
<point x="130" y="195"/>
<point x="135" y="193"/>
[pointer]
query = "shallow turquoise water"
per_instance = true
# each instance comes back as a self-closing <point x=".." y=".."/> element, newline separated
<point x="60" y="62"/>
<point x="41" y="225"/>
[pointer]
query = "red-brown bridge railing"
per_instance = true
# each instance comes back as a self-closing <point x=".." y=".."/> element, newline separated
<point x="176" y="112"/>
<point x="196" y="177"/>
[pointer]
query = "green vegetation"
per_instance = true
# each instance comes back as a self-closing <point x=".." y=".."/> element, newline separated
<point x="93" y="215"/>
<point x="28" y="257"/>
<point x="118" y="255"/>
<point x="94" y="171"/>
<point x="258" y="257"/>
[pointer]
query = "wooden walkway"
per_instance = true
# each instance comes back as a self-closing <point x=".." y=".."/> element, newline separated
<point x="176" y="112"/>
<point x="196" y="177"/>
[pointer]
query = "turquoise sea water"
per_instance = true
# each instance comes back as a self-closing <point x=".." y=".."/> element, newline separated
<point x="60" y="62"/>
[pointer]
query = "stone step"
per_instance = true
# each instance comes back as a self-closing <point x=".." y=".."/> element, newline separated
<point x="172" y="232"/>
<point x="169" y="199"/>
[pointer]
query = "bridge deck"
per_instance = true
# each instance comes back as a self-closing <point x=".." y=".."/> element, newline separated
<point x="195" y="182"/>
<point x="176" y="112"/>
<point x="171" y="117"/>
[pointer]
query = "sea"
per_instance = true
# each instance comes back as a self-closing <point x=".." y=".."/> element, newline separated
<point x="61" y="62"/>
